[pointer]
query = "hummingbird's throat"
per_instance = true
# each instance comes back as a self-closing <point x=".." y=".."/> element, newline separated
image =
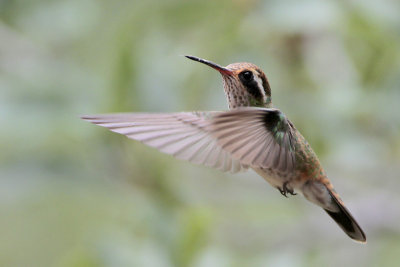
<point x="244" y="99"/>
<point x="244" y="93"/>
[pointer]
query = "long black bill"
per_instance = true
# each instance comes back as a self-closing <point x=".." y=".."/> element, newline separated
<point x="219" y="68"/>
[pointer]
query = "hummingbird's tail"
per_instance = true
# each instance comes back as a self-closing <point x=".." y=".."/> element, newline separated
<point x="323" y="194"/>
<point x="346" y="221"/>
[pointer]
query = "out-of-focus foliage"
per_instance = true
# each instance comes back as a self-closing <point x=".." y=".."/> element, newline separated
<point x="73" y="194"/>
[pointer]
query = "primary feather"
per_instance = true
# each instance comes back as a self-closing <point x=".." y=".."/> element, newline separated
<point x="183" y="135"/>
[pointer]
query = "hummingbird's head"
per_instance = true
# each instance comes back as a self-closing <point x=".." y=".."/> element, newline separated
<point x="245" y="84"/>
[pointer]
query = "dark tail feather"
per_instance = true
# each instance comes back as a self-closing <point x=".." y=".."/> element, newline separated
<point x="348" y="224"/>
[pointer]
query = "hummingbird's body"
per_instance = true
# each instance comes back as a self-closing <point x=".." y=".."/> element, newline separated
<point x="252" y="134"/>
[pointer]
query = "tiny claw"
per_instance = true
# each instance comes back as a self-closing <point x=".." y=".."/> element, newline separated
<point x="282" y="191"/>
<point x="285" y="190"/>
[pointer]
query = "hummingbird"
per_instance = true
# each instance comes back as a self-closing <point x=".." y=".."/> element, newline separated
<point x="252" y="134"/>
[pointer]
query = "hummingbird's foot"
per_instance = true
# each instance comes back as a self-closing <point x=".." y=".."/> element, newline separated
<point x="285" y="190"/>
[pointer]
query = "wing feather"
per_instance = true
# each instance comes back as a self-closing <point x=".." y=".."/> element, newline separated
<point x="258" y="137"/>
<point x="183" y="135"/>
<point x="229" y="141"/>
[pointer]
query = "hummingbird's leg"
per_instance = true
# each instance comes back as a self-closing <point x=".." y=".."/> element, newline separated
<point x="282" y="191"/>
<point x="286" y="190"/>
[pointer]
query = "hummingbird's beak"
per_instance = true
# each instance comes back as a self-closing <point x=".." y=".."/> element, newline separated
<point x="222" y="70"/>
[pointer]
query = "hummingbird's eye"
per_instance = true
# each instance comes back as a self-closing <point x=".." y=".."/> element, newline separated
<point x="246" y="76"/>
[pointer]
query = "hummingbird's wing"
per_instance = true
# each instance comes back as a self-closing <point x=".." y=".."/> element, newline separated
<point x="183" y="135"/>
<point x="258" y="137"/>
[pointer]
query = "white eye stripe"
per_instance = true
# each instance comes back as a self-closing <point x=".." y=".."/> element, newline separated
<point x="260" y="86"/>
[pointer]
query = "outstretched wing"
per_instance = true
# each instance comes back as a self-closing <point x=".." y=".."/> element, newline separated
<point x="183" y="135"/>
<point x="258" y="137"/>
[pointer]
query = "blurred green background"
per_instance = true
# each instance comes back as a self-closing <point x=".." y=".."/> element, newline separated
<point x="74" y="194"/>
